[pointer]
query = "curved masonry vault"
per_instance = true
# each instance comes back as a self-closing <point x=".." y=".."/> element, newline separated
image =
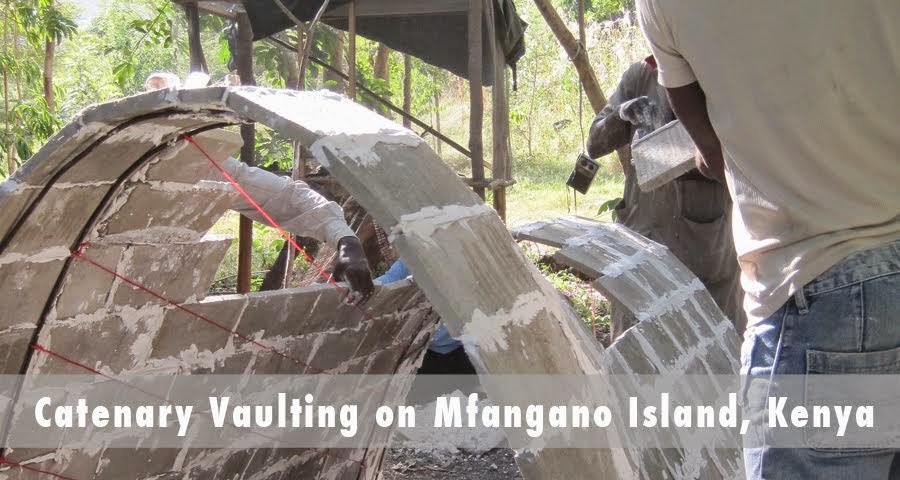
<point x="121" y="177"/>
<point x="680" y="329"/>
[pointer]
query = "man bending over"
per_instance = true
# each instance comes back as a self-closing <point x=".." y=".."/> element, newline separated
<point x="689" y="215"/>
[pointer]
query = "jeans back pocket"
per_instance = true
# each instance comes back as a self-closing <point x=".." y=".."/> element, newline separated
<point x="842" y="385"/>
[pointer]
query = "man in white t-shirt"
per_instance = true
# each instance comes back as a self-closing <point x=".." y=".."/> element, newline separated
<point x="794" y="103"/>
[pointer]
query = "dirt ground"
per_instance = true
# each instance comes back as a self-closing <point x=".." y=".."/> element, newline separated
<point x="496" y="464"/>
<point x="411" y="464"/>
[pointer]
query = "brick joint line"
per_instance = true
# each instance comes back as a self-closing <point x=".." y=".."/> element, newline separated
<point x="43" y="349"/>
<point x="79" y="254"/>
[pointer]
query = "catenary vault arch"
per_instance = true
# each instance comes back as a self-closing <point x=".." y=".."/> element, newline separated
<point x="119" y="178"/>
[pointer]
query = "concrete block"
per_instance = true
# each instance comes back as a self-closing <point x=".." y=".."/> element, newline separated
<point x="732" y="345"/>
<point x="338" y="468"/>
<point x="79" y="466"/>
<point x="23" y="455"/>
<point x="187" y="164"/>
<point x="336" y="348"/>
<point x="663" y="155"/>
<point x="633" y="355"/>
<point x="166" y="213"/>
<point x="235" y="464"/>
<point x="238" y="364"/>
<point x="291" y="356"/>
<point x="57" y="219"/>
<point x="121" y="150"/>
<point x="120" y="463"/>
<point x="377" y="337"/>
<point x="24" y="287"/>
<point x="680" y="332"/>
<point x="718" y="361"/>
<point x="290" y="311"/>
<point x="311" y="467"/>
<point x="707" y="310"/>
<point x="14" y="346"/>
<point x="15" y="198"/>
<point x="180" y="330"/>
<point x="662" y="350"/>
<point x="392" y="298"/>
<point x="357" y="366"/>
<point x="178" y="272"/>
<point x="86" y="288"/>
<point x="385" y="361"/>
<point x="113" y="343"/>
<point x="697" y="318"/>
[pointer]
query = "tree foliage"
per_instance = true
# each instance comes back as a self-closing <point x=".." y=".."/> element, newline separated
<point x="596" y="10"/>
<point x="43" y="20"/>
<point x="28" y="26"/>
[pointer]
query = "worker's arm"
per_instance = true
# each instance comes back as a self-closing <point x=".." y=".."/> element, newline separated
<point x="685" y="94"/>
<point x="300" y="210"/>
<point x="689" y="104"/>
<point x="297" y="209"/>
<point x="608" y="133"/>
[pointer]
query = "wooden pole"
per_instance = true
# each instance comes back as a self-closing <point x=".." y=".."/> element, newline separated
<point x="198" y="60"/>
<point x="437" y="122"/>
<point x="351" y="61"/>
<point x="399" y="111"/>
<point x="476" y="115"/>
<point x="298" y="167"/>
<point x="244" y="60"/>
<point x="582" y="34"/>
<point x="578" y="56"/>
<point x="307" y="45"/>
<point x="502" y="157"/>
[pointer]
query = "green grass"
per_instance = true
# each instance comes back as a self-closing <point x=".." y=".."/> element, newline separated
<point x="541" y="193"/>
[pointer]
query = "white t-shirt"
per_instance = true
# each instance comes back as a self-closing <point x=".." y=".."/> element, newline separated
<point x="805" y="97"/>
<point x="292" y="204"/>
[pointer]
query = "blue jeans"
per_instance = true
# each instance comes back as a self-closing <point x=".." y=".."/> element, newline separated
<point x="441" y="342"/>
<point x="852" y="308"/>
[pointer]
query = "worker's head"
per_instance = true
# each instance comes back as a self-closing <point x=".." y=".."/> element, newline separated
<point x="160" y="80"/>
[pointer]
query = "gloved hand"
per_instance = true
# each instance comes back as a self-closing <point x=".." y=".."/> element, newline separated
<point x="639" y="111"/>
<point x="351" y="265"/>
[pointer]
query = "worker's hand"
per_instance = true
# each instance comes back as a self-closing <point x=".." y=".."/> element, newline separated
<point x="712" y="166"/>
<point x="351" y="266"/>
<point x="639" y="111"/>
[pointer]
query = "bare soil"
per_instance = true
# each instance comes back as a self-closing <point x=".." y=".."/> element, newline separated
<point x="496" y="464"/>
<point x="412" y="464"/>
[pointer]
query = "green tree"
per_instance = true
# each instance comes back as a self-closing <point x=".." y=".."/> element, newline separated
<point x="32" y="30"/>
<point x="45" y="26"/>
